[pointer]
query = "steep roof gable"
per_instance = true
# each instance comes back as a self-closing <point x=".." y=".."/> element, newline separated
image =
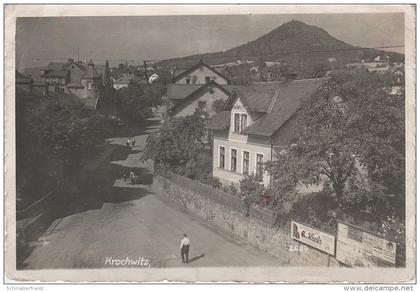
<point x="286" y="102"/>
<point x="276" y="102"/>
<point x="187" y="100"/>
<point x="192" y="69"/>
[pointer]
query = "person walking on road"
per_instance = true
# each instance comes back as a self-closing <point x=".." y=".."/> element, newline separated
<point x="125" y="174"/>
<point x="185" y="249"/>
<point x="133" y="142"/>
<point x="132" y="177"/>
<point x="128" y="142"/>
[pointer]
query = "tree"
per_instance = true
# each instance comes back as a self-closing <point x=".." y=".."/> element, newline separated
<point x="107" y="76"/>
<point x="178" y="143"/>
<point x="217" y="105"/>
<point x="135" y="101"/>
<point x="55" y="135"/>
<point x="251" y="189"/>
<point x="350" y="127"/>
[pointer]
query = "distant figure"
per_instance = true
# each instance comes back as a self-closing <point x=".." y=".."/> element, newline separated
<point x="125" y="175"/>
<point x="132" y="177"/>
<point x="128" y="142"/>
<point x="133" y="142"/>
<point x="185" y="248"/>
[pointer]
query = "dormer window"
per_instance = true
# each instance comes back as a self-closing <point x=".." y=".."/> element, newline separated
<point x="188" y="80"/>
<point x="240" y="123"/>
<point x="236" y="123"/>
<point x="244" y="122"/>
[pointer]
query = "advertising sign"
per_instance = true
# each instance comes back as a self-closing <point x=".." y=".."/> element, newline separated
<point x="358" y="248"/>
<point x="313" y="237"/>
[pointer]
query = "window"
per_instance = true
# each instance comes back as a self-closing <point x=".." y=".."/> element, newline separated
<point x="236" y="125"/>
<point x="233" y="156"/>
<point x="240" y="123"/>
<point x="207" y="79"/>
<point x="222" y="157"/>
<point x="58" y="89"/>
<point x="211" y="91"/>
<point x="246" y="163"/>
<point x="243" y="122"/>
<point x="188" y="80"/>
<point x="260" y="166"/>
<point x="194" y="79"/>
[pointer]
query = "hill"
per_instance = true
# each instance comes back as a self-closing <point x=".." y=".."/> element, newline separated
<point x="297" y="45"/>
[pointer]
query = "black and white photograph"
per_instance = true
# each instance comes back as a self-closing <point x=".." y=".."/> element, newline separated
<point x="210" y="142"/>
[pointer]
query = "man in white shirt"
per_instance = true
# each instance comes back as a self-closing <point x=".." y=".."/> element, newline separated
<point x="185" y="248"/>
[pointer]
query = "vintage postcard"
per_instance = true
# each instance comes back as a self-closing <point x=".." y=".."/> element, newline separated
<point x="210" y="143"/>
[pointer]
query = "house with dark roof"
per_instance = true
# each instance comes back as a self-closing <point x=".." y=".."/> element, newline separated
<point x="256" y="123"/>
<point x="201" y="74"/>
<point x="122" y="80"/>
<point x="183" y="99"/>
<point x="198" y="86"/>
<point x="26" y="90"/>
<point x="76" y="78"/>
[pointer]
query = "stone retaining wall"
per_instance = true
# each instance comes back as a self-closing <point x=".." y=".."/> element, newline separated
<point x="261" y="228"/>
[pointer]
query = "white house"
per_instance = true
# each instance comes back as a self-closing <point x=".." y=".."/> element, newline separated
<point x="257" y="122"/>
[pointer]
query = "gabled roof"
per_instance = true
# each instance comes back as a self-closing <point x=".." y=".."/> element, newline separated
<point x="224" y="71"/>
<point x="192" y="69"/>
<point x="22" y="79"/>
<point x="255" y="97"/>
<point x="181" y="91"/>
<point x="61" y="73"/>
<point x="399" y="70"/>
<point x="220" y="121"/>
<point x="123" y="79"/>
<point x="287" y="101"/>
<point x="276" y="101"/>
<point x="196" y="94"/>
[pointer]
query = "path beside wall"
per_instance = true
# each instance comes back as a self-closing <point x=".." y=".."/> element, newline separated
<point x="262" y="228"/>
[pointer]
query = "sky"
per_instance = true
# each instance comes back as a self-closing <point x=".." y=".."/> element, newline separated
<point x="132" y="39"/>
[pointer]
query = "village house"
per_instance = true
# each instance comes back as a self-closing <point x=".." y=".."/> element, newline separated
<point x="27" y="91"/>
<point x="183" y="99"/>
<point x="398" y="78"/>
<point x="121" y="81"/>
<point x="201" y="73"/>
<point x="76" y="78"/>
<point x="26" y="88"/>
<point x="198" y="86"/>
<point x="256" y="123"/>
